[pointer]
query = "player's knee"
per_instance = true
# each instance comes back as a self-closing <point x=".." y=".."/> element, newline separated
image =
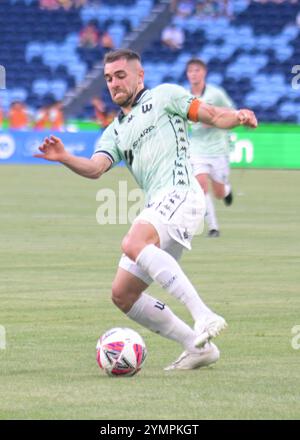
<point x="123" y="297"/>
<point x="130" y="247"/>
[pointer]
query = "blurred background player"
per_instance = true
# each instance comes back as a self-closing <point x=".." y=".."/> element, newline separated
<point x="209" y="145"/>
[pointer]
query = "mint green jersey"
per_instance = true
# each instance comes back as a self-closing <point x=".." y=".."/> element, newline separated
<point x="205" y="140"/>
<point x="152" y="140"/>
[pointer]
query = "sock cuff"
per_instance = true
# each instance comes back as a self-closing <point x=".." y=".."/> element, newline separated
<point x="227" y="189"/>
<point x="145" y="254"/>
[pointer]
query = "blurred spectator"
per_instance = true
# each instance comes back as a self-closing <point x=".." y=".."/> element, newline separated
<point x="213" y="8"/>
<point x="52" y="5"/>
<point x="102" y="116"/>
<point x="106" y="41"/>
<point x="89" y="36"/>
<point x="79" y="3"/>
<point x="173" y="37"/>
<point x="183" y="8"/>
<point x="50" y="117"/>
<point x="66" y="4"/>
<point x="18" y="116"/>
<point x="42" y="118"/>
<point x="207" y="8"/>
<point x="56" y="116"/>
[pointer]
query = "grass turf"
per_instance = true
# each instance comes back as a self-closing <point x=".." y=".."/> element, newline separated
<point x="57" y="265"/>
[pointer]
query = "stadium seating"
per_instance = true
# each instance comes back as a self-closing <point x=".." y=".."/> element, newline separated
<point x="43" y="56"/>
<point x="250" y="56"/>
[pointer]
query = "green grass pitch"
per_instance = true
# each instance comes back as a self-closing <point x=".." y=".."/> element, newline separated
<point x="56" y="268"/>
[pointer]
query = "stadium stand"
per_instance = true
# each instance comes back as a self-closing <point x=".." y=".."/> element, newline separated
<point x="250" y="53"/>
<point x="251" y="56"/>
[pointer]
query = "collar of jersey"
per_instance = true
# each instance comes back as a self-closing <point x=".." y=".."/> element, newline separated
<point x="137" y="99"/>
<point x="203" y="91"/>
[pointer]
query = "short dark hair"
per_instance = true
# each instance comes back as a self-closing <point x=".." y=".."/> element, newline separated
<point x="118" y="54"/>
<point x="196" y="61"/>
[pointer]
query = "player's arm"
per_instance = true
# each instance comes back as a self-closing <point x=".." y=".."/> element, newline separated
<point x="219" y="116"/>
<point x="53" y="149"/>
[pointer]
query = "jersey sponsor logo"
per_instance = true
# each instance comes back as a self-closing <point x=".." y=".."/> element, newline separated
<point x="146" y="108"/>
<point x="142" y="135"/>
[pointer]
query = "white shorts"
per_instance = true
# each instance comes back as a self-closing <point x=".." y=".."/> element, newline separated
<point x="216" y="167"/>
<point x="177" y="216"/>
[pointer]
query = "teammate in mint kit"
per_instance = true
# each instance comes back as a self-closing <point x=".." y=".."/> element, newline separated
<point x="150" y="135"/>
<point x="209" y="149"/>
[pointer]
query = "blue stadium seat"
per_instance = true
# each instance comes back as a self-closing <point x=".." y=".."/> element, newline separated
<point x="288" y="109"/>
<point x="18" y="94"/>
<point x="215" y="78"/>
<point x="78" y="71"/>
<point x="5" y="99"/>
<point x="58" y="88"/>
<point x="40" y="87"/>
<point x="290" y="32"/>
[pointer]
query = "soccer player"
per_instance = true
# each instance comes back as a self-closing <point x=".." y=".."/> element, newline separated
<point x="209" y="145"/>
<point x="150" y="135"/>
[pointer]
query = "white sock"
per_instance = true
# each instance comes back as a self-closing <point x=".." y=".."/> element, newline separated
<point x="227" y="189"/>
<point x="165" y="270"/>
<point x="158" y="317"/>
<point x="210" y="215"/>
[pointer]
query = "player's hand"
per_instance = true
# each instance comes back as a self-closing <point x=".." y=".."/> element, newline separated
<point x="52" y="149"/>
<point x="247" y="117"/>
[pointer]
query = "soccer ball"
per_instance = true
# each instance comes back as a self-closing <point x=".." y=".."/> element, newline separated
<point x="121" y="352"/>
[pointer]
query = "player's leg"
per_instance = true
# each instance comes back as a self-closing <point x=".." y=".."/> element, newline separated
<point x="201" y="169"/>
<point x="210" y="215"/>
<point x="128" y="293"/>
<point x="141" y="246"/>
<point x="162" y="267"/>
<point x="220" y="180"/>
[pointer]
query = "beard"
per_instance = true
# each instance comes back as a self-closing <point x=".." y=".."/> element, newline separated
<point x="124" y="102"/>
